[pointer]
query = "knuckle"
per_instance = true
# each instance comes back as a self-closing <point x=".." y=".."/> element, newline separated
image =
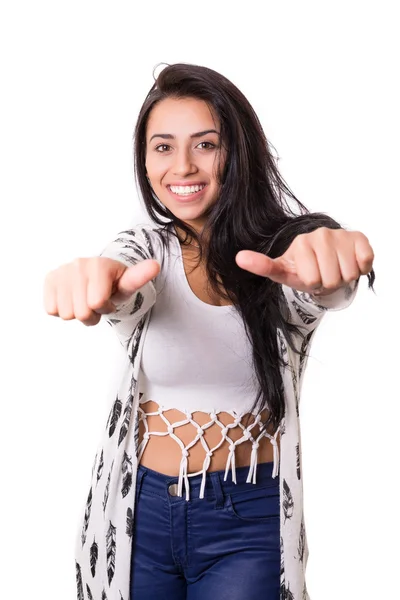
<point x="80" y="264"/>
<point x="83" y="315"/>
<point x="367" y="257"/>
<point x="322" y="231"/>
<point x="362" y="236"/>
<point x="312" y="282"/>
<point x="90" y="322"/>
<point x="301" y="239"/>
<point x="66" y="315"/>
<point x="351" y="276"/>
<point x="49" y="303"/>
<point x="332" y="285"/>
<point x="96" y="302"/>
<point x="97" y="262"/>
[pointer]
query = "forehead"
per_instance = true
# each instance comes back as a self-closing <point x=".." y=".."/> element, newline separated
<point x="181" y="116"/>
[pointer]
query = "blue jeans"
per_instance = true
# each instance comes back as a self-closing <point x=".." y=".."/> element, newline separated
<point x="225" y="545"/>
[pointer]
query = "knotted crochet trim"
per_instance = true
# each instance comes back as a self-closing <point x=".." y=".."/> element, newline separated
<point x="230" y="463"/>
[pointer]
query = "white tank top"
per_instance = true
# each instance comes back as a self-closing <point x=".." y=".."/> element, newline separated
<point x="197" y="357"/>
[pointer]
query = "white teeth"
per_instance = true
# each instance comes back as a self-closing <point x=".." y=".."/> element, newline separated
<point x="185" y="190"/>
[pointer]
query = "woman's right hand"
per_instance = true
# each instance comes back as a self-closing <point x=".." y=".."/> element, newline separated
<point x="87" y="288"/>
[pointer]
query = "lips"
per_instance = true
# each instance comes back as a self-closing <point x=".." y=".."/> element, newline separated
<point x="185" y="183"/>
<point x="187" y="197"/>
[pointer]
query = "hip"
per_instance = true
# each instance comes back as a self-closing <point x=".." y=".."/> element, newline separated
<point x="226" y="544"/>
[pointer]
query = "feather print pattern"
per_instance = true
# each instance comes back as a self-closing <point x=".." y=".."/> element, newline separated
<point x="306" y="317"/>
<point x="111" y="551"/>
<point x="148" y="242"/>
<point x="304" y="595"/>
<point x="113" y="321"/>
<point x="86" y="517"/>
<point x="115" y="415"/>
<point x="136" y="433"/>
<point x="286" y="594"/>
<point x="129" y="522"/>
<point x="94" y="464"/>
<point x="109" y="415"/>
<point x="138" y="303"/>
<point x="79" y="584"/>
<point x="106" y="491"/>
<point x="287" y="501"/>
<point x="126" y="256"/>
<point x="136" y="341"/>
<point x="302" y="541"/>
<point x="102" y="568"/>
<point x="305" y="298"/>
<point x="94" y="555"/>
<point x="282" y="347"/>
<point x="127" y="474"/>
<point x="298" y="460"/>
<point x="131" y="343"/>
<point x="282" y="571"/>
<point x="304" y="347"/>
<point x="132" y="387"/>
<point x="100" y="467"/>
<point x="348" y="290"/>
<point x="126" y="420"/>
<point x="89" y="593"/>
<point x="295" y="385"/>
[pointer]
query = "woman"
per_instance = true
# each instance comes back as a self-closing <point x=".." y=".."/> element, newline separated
<point x="196" y="487"/>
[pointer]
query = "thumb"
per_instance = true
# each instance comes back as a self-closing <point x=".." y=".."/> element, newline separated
<point x="277" y="269"/>
<point x="133" y="278"/>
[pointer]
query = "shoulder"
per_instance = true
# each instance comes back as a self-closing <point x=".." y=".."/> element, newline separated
<point x="151" y="236"/>
<point x="137" y="242"/>
<point x="145" y="236"/>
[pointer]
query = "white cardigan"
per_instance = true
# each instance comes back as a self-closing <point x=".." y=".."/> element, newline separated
<point x="104" y="539"/>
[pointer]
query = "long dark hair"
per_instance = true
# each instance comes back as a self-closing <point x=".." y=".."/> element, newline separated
<point x="252" y="212"/>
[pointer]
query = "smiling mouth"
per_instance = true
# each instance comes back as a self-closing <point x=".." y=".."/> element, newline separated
<point x="187" y="195"/>
<point x="181" y="190"/>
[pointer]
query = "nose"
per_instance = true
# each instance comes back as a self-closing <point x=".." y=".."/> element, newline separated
<point x="184" y="164"/>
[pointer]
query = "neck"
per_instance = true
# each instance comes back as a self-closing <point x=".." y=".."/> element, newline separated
<point x="193" y="243"/>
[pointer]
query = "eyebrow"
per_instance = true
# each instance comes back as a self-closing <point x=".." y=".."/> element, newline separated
<point x="169" y="136"/>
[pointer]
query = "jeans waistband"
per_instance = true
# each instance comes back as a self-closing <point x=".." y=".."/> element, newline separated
<point x="158" y="483"/>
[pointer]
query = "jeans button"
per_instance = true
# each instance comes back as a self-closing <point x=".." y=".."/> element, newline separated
<point x="173" y="489"/>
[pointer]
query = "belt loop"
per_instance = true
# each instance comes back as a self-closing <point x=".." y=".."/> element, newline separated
<point x="219" y="495"/>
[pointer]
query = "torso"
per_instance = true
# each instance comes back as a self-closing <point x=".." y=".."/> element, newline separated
<point x="162" y="453"/>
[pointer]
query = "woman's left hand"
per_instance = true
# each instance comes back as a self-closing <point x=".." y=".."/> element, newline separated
<point x="324" y="260"/>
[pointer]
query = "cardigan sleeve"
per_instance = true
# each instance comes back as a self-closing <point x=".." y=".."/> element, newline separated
<point x="307" y="309"/>
<point x="131" y="247"/>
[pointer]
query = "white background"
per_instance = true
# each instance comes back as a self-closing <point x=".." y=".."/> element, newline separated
<point x="323" y="78"/>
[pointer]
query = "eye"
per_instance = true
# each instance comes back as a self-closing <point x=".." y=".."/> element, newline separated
<point x="162" y="146"/>
<point x="157" y="148"/>
<point x="209" y="143"/>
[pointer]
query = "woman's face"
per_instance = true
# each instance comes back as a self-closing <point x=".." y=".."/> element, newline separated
<point x="182" y="149"/>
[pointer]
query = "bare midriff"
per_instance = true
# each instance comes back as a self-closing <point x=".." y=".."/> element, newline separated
<point x="163" y="453"/>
